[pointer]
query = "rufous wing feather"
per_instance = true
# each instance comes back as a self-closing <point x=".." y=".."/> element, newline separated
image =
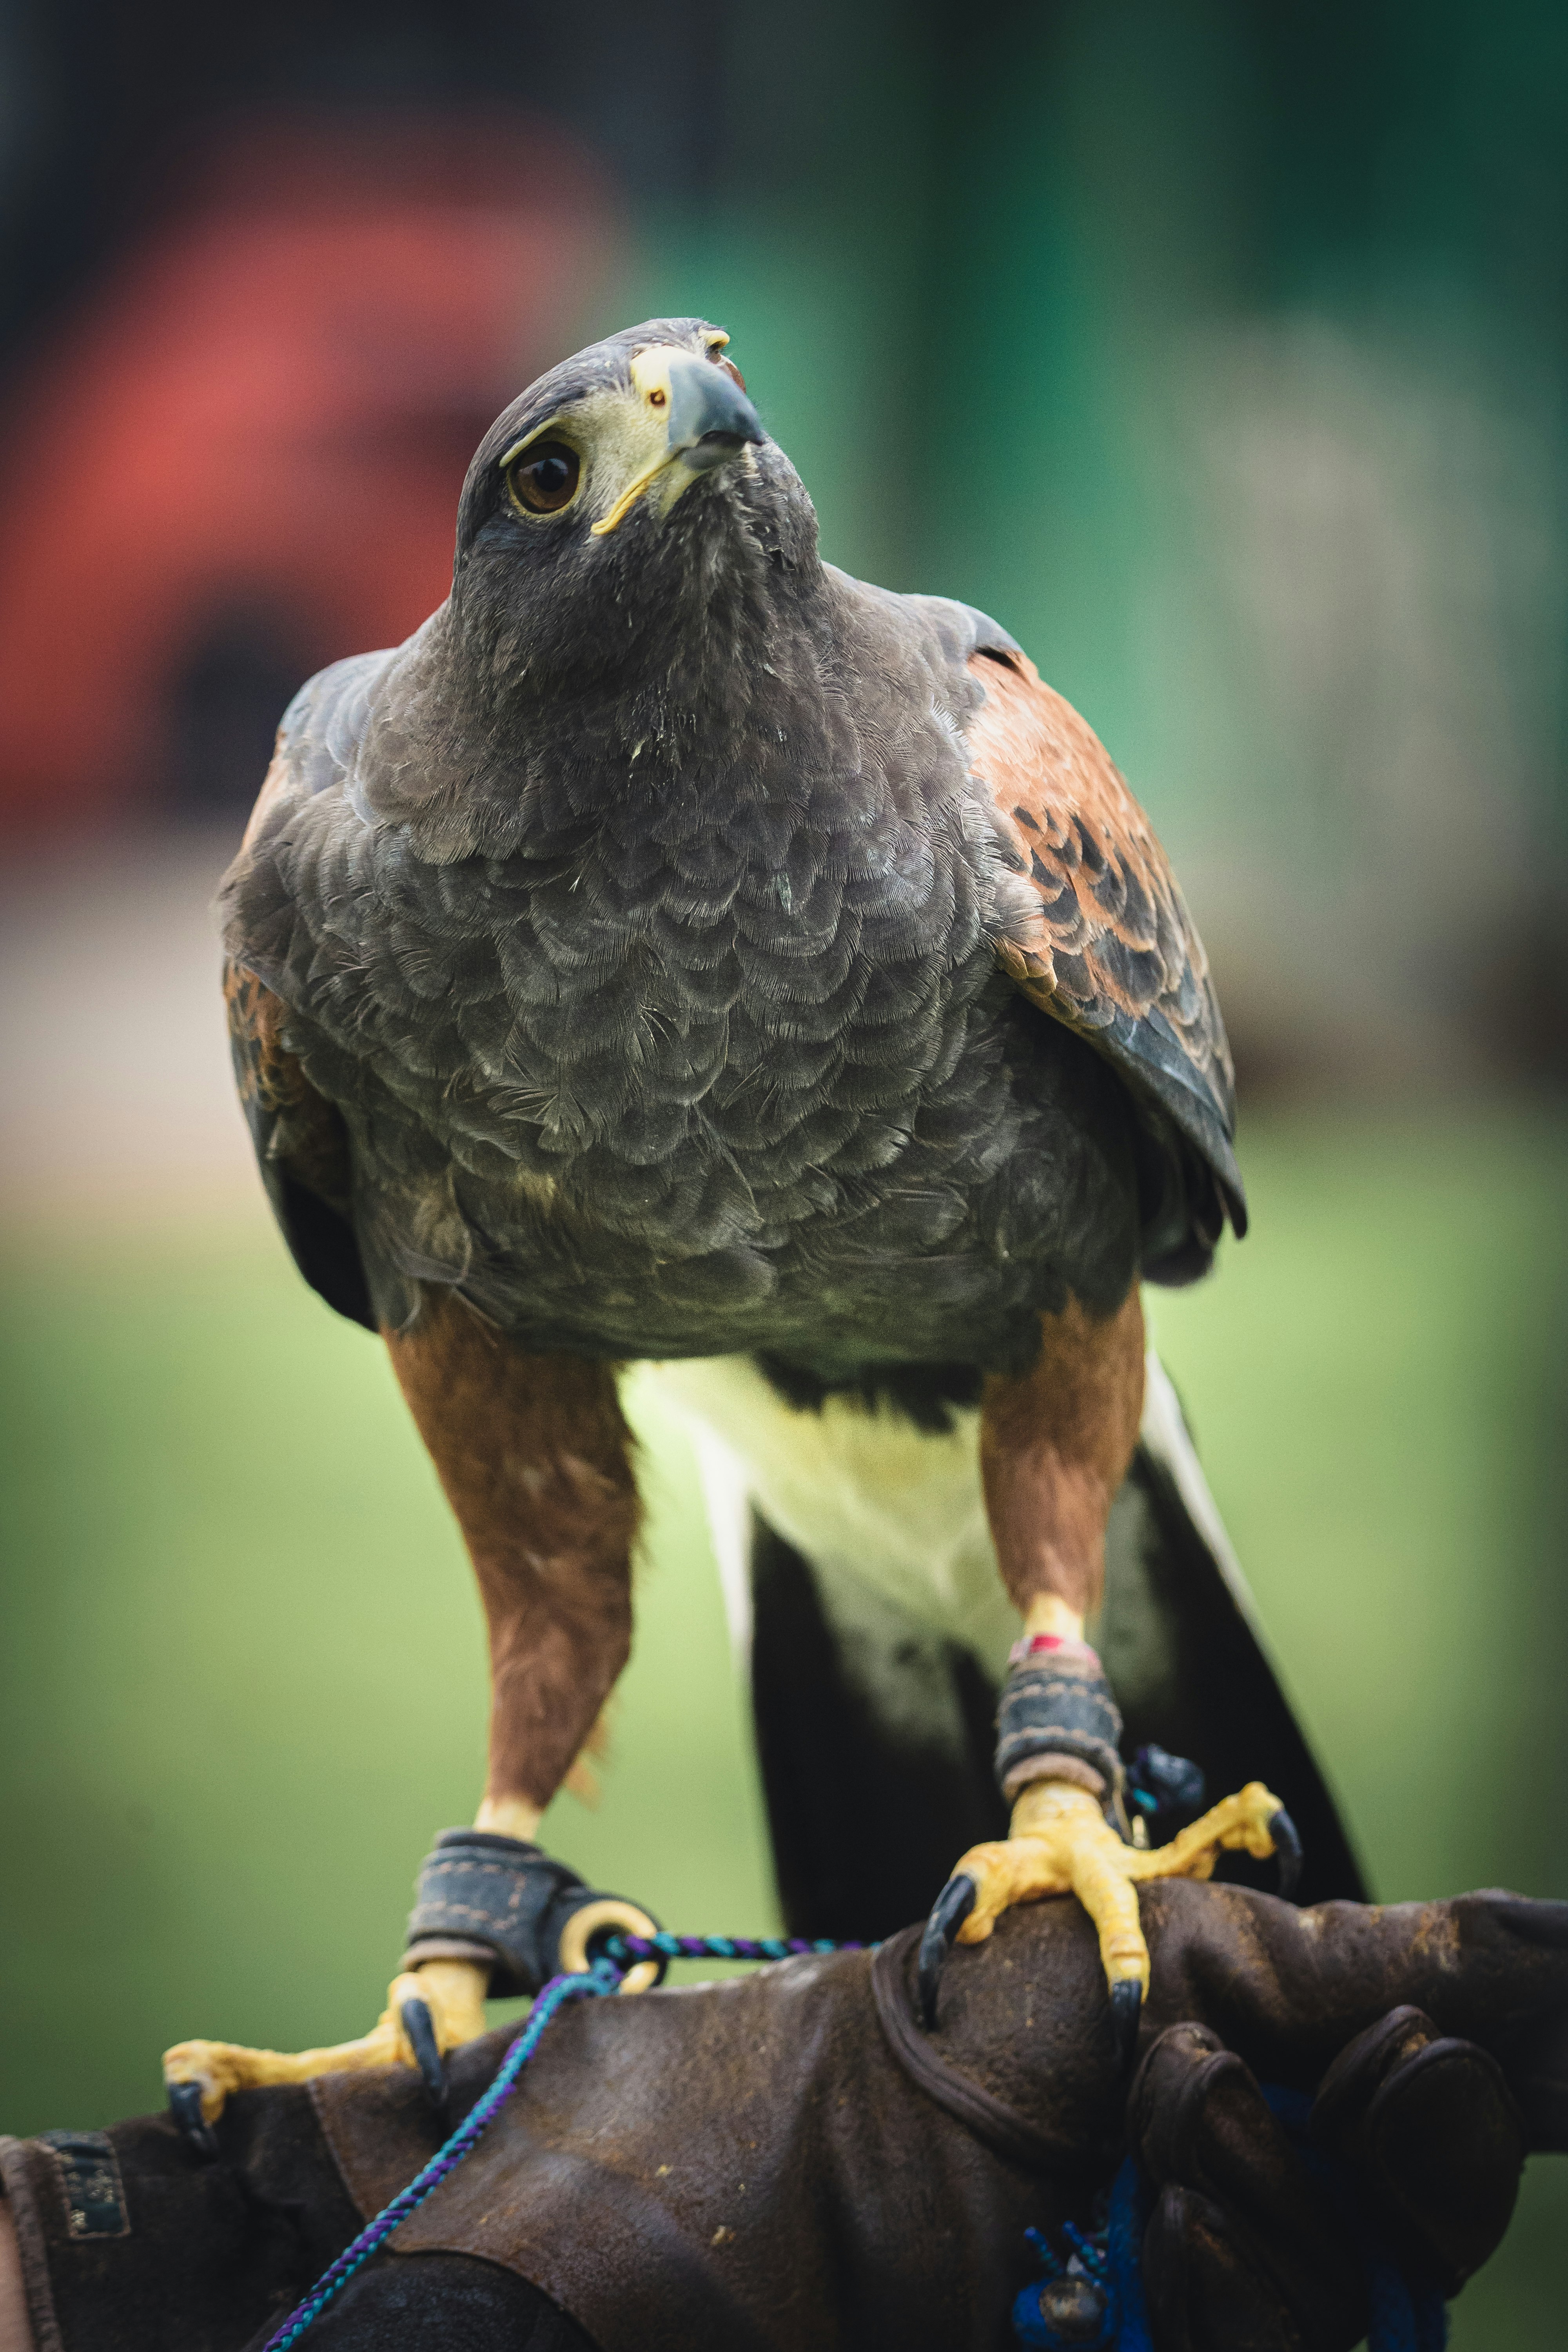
<point x="1096" y="934"/>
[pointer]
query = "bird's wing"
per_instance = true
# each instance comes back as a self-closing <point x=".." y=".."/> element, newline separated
<point x="301" y="1142"/>
<point x="1095" y="931"/>
<point x="301" y="1148"/>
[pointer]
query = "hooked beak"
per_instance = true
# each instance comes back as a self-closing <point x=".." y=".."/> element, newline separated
<point x="710" y="420"/>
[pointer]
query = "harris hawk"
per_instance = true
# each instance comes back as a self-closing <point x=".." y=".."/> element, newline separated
<point x="680" y="952"/>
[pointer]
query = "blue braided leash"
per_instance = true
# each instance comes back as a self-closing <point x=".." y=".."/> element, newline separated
<point x="624" y="1949"/>
<point x="600" y="1978"/>
<point x="604" y="1976"/>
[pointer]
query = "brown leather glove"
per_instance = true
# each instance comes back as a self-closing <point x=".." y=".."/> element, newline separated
<point x="890" y="2175"/>
<point x="1413" y="2150"/>
<point x="1413" y="2055"/>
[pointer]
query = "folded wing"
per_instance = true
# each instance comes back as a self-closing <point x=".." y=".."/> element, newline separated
<point x="1096" y="933"/>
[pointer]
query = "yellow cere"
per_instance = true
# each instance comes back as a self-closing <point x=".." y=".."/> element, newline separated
<point x="651" y="382"/>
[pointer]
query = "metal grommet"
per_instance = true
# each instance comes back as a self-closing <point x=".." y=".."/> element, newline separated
<point x="608" y="1911"/>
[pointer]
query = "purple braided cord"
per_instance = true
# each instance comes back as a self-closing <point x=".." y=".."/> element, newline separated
<point x="621" y="1949"/>
<point x="554" y="1995"/>
<point x="604" y="1976"/>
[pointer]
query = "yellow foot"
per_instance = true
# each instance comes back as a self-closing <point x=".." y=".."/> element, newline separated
<point x="1061" y="1844"/>
<point x="429" y="2011"/>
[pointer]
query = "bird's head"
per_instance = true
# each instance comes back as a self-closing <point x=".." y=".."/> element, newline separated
<point x="618" y="515"/>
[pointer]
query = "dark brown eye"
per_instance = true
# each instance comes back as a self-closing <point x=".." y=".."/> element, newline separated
<point x="544" y="478"/>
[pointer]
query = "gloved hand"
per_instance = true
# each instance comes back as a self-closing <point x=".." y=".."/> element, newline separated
<point x="1415" y="2054"/>
<point x="1254" y="2240"/>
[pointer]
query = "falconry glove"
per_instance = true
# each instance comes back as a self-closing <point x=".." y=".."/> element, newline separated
<point x="898" y="2185"/>
<point x="1255" y="2239"/>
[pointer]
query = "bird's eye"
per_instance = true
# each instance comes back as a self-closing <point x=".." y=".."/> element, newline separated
<point x="544" y="478"/>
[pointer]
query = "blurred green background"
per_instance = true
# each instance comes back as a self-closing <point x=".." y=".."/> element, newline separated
<point x="1220" y="352"/>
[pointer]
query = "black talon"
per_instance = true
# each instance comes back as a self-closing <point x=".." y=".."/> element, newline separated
<point x="1125" y="2012"/>
<point x="186" y="2107"/>
<point x="949" y="1912"/>
<point x="1126" y="2007"/>
<point x="1288" y="1847"/>
<point x="421" y="2032"/>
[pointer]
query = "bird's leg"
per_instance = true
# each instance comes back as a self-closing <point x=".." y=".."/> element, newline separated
<point x="535" y="1458"/>
<point x="1055" y="1442"/>
<point x="536" y="1461"/>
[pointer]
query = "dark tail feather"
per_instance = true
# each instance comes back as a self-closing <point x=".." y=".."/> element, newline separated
<point x="1186" y="1658"/>
<point x="874" y="1753"/>
<point x="876" y="1742"/>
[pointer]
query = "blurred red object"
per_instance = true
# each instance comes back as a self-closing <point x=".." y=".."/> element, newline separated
<point x="245" y="446"/>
